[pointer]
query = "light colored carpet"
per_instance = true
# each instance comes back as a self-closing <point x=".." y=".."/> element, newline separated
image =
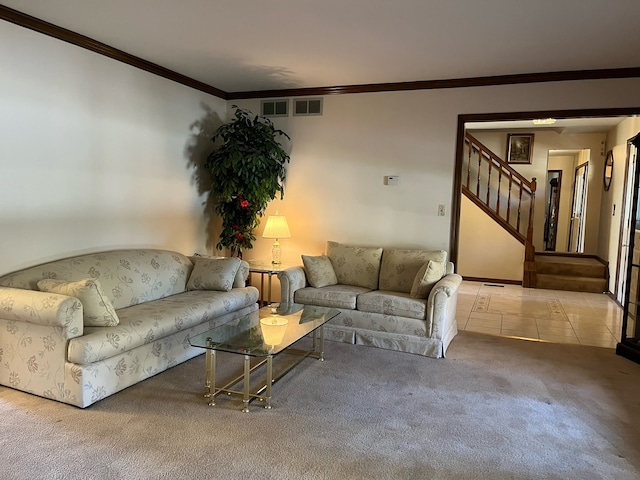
<point x="494" y="408"/>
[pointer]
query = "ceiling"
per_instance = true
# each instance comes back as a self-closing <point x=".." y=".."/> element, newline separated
<point x="249" y="45"/>
<point x="561" y="125"/>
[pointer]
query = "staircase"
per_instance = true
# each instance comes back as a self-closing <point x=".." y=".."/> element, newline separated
<point x="571" y="272"/>
<point x="503" y="194"/>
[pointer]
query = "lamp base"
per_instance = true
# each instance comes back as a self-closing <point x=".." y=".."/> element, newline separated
<point x="276" y="253"/>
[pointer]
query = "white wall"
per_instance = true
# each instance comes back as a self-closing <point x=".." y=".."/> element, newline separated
<point x="489" y="251"/>
<point x="93" y="153"/>
<point x="93" y="156"/>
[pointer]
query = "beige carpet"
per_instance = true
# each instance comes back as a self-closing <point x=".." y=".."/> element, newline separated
<point x="495" y="408"/>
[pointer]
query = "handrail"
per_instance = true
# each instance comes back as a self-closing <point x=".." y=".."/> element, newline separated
<point x="479" y="179"/>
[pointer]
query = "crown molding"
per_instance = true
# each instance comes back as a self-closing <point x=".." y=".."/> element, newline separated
<point x="32" y="23"/>
<point x="440" y="84"/>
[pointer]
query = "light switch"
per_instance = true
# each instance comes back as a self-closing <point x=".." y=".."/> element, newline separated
<point x="441" y="210"/>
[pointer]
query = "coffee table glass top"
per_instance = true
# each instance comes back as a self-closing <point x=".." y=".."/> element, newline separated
<point x="267" y="331"/>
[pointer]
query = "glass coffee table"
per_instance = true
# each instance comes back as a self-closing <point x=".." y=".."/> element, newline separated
<point x="262" y="334"/>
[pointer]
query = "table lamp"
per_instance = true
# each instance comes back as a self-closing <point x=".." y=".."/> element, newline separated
<point x="276" y="227"/>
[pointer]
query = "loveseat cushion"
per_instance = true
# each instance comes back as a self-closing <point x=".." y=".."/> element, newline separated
<point x="151" y="321"/>
<point x="336" y="296"/>
<point x="357" y="266"/>
<point x="426" y="278"/>
<point x="97" y="310"/>
<point x="392" y="303"/>
<point x="319" y="271"/>
<point x="399" y="267"/>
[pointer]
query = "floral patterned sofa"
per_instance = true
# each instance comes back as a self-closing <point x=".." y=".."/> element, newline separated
<point x="79" y="329"/>
<point x="391" y="298"/>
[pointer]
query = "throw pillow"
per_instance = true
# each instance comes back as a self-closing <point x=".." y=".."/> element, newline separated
<point x="213" y="273"/>
<point x="426" y="278"/>
<point x="319" y="271"/>
<point x="357" y="266"/>
<point x="97" y="310"/>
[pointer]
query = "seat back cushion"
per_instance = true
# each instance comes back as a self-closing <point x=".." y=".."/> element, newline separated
<point x="128" y="277"/>
<point x="357" y="266"/>
<point x="400" y="266"/>
<point x="319" y="271"/>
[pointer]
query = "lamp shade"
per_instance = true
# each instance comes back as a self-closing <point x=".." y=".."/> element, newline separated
<point x="276" y="227"/>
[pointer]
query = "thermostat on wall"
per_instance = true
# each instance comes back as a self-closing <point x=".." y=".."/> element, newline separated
<point x="392" y="180"/>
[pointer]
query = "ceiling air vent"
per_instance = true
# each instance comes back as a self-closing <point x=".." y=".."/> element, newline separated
<point x="308" y="106"/>
<point x="275" y="108"/>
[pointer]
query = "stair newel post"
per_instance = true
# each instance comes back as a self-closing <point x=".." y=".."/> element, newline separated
<point x="529" y="278"/>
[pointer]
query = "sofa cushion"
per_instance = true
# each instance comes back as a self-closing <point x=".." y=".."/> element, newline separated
<point x="392" y="303"/>
<point x="150" y="321"/>
<point x="97" y="310"/>
<point x="319" y="271"/>
<point x="243" y="271"/>
<point x="357" y="266"/>
<point x="399" y="267"/>
<point x="336" y="296"/>
<point x="426" y="278"/>
<point x="213" y="274"/>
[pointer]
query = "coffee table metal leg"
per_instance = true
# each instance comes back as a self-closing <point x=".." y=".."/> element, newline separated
<point x="245" y="391"/>
<point x="267" y="392"/>
<point x="210" y="375"/>
<point x="321" y="358"/>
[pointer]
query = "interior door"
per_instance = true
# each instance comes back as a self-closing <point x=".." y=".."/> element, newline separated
<point x="626" y="224"/>
<point x="578" y="210"/>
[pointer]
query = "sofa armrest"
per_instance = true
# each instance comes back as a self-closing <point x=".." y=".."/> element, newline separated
<point x="242" y="276"/>
<point x="42" y="308"/>
<point x="291" y="279"/>
<point x="441" y="305"/>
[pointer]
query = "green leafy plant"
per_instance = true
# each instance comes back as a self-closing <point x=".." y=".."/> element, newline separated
<point x="248" y="170"/>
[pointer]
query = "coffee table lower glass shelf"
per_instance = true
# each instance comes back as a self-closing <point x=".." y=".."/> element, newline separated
<point x="262" y="335"/>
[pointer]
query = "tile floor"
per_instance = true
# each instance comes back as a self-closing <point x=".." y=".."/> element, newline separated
<point x="549" y="315"/>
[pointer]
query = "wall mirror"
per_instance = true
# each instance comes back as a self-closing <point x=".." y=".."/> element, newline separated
<point x="608" y="170"/>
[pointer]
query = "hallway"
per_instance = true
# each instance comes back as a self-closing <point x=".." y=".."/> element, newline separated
<point x="549" y="315"/>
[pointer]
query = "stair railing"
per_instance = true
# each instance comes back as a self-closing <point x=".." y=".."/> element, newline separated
<point x="503" y="194"/>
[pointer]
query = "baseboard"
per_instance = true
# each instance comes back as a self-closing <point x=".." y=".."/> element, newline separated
<point x="492" y="280"/>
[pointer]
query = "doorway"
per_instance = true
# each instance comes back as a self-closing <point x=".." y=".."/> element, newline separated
<point x="626" y="224"/>
<point x="553" y="191"/>
<point x="578" y="209"/>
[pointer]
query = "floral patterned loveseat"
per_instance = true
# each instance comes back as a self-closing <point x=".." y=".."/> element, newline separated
<point x="109" y="320"/>
<point x="397" y="299"/>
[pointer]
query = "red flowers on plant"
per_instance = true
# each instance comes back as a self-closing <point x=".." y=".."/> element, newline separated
<point x="244" y="203"/>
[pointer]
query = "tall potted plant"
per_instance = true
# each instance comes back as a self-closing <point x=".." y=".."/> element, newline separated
<point x="248" y="170"/>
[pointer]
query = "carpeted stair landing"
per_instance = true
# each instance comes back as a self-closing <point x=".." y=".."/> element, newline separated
<point x="496" y="408"/>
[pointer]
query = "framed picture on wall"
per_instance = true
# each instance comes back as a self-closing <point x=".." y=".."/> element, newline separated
<point x="519" y="147"/>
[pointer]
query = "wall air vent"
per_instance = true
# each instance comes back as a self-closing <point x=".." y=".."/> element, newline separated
<point x="275" y="108"/>
<point x="307" y="106"/>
